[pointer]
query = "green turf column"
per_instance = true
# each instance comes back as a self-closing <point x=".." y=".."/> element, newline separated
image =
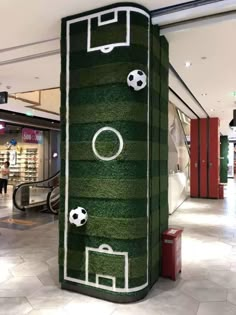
<point x="112" y="146"/>
<point x="155" y="155"/>
<point x="163" y="148"/>
<point x="224" y="148"/>
<point x="159" y="148"/>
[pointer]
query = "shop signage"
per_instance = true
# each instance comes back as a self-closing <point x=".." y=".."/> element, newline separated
<point x="32" y="136"/>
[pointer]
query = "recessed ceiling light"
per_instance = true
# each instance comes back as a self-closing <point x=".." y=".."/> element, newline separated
<point x="204" y="94"/>
<point x="203" y="57"/>
<point x="52" y="122"/>
<point x="188" y="64"/>
<point x="8" y="87"/>
<point x="36" y="78"/>
<point x="234" y="93"/>
<point x="212" y="110"/>
<point x="55" y="155"/>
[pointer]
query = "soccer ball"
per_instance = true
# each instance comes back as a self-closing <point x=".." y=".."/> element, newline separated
<point x="78" y="216"/>
<point x="137" y="80"/>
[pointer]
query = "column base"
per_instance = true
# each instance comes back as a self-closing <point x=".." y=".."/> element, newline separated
<point x="105" y="295"/>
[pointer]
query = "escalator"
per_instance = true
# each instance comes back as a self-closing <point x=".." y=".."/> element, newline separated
<point x="41" y="195"/>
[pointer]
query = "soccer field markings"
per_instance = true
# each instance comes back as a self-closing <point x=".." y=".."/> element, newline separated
<point x="105" y="48"/>
<point x="121" y="144"/>
<point x="108" y="47"/>
<point x="106" y="249"/>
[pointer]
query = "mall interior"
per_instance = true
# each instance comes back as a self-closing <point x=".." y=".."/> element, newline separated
<point x="118" y="121"/>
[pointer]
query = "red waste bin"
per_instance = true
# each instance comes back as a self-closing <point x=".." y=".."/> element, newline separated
<point x="221" y="191"/>
<point x="171" y="253"/>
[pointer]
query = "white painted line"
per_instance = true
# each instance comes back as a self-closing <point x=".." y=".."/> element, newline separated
<point x="121" y="144"/>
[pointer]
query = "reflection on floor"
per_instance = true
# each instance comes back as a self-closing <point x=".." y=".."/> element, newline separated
<point x="20" y="220"/>
<point x="207" y="285"/>
<point x="26" y="220"/>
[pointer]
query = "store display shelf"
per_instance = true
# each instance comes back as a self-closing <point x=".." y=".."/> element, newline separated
<point x="26" y="166"/>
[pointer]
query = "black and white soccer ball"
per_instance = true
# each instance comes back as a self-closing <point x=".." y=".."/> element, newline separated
<point x="137" y="80"/>
<point x="78" y="216"/>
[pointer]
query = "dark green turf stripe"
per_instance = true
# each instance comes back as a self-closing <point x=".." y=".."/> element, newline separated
<point x="115" y="111"/>
<point x="112" y="208"/>
<point x="131" y="131"/>
<point x="101" y="75"/>
<point x="105" y="170"/>
<point x="135" y="54"/>
<point x="117" y="93"/>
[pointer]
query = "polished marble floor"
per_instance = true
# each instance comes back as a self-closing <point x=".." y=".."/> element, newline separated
<point x="207" y="285"/>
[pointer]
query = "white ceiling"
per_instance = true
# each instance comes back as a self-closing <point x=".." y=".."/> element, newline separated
<point x="214" y="76"/>
<point x="26" y="22"/>
<point x="39" y="20"/>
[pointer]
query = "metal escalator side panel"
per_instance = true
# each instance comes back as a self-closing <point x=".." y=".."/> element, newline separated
<point x="34" y="194"/>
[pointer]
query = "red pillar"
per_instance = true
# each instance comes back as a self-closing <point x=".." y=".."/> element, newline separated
<point x="205" y="163"/>
<point x="213" y="172"/>
<point x="194" y="165"/>
<point x="203" y="157"/>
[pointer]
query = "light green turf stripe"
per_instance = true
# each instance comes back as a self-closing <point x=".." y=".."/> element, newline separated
<point x="118" y="228"/>
<point x="112" y="170"/>
<point x="134" y="151"/>
<point x="109" y="112"/>
<point x="107" y="188"/>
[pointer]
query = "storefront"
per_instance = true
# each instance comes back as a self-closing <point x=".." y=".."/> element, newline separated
<point x="33" y="153"/>
<point x="179" y="158"/>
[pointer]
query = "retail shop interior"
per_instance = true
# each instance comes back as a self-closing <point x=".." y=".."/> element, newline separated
<point x="28" y="153"/>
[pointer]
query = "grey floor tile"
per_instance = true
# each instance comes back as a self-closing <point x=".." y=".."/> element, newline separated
<point x="14" y="306"/>
<point x="50" y="297"/>
<point x="50" y="311"/>
<point x="19" y="286"/>
<point x="216" y="308"/>
<point x="31" y="268"/>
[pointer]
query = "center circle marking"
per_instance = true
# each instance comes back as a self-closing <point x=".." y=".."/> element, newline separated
<point x="121" y="144"/>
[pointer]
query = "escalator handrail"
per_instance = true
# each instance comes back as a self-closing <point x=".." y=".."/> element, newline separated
<point x="31" y="184"/>
<point x="48" y="200"/>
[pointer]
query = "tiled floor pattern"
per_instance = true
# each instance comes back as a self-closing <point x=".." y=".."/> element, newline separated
<point x="207" y="285"/>
<point x="25" y="220"/>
